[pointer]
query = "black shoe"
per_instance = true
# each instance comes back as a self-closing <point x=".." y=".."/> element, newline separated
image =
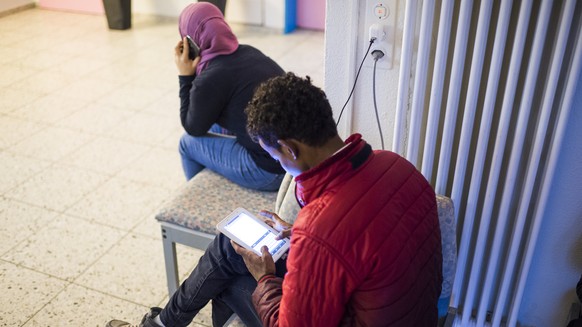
<point x="147" y="321"/>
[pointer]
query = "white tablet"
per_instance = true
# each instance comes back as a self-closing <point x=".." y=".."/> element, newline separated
<point x="252" y="233"/>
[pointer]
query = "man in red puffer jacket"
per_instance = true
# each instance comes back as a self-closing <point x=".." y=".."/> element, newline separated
<point x="366" y="247"/>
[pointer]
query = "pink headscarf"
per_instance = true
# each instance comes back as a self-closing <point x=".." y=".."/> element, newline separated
<point x="205" y="24"/>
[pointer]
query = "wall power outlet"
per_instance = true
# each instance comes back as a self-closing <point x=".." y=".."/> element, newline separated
<point x="380" y="23"/>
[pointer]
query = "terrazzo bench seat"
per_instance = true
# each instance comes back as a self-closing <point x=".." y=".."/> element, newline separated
<point x="190" y="218"/>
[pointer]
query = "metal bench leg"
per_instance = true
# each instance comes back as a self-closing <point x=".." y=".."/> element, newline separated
<point x="171" y="263"/>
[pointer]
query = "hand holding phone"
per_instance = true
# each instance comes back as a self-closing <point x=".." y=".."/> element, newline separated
<point x="185" y="65"/>
<point x="193" y="48"/>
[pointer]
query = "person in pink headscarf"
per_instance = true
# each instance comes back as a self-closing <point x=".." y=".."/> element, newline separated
<point x="207" y="27"/>
<point x="215" y="88"/>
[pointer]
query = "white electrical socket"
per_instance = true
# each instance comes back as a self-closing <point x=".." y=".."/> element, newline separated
<point x="377" y="32"/>
<point x="380" y="23"/>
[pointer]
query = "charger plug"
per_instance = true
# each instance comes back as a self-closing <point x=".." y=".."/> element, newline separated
<point x="377" y="32"/>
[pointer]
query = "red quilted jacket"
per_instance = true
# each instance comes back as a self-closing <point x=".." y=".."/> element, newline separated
<point x="365" y="250"/>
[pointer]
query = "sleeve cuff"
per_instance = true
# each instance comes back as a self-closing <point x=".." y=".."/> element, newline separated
<point x="186" y="78"/>
<point x="265" y="277"/>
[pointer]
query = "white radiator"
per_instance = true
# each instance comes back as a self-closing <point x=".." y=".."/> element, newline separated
<point x="484" y="120"/>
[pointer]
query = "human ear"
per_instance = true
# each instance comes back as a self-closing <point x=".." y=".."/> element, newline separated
<point x="288" y="148"/>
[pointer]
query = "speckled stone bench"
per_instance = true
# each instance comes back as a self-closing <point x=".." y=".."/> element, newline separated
<point x="190" y="219"/>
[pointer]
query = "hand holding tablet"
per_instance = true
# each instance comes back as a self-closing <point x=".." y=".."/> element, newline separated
<point x="283" y="227"/>
<point x="252" y="233"/>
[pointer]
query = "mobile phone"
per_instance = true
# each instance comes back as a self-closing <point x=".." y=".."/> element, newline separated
<point x="193" y="47"/>
<point x="252" y="233"/>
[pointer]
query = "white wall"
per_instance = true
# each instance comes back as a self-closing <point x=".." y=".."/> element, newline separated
<point x="558" y="259"/>
<point x="239" y="11"/>
<point x="346" y="42"/>
<point x="169" y="8"/>
<point x="173" y="8"/>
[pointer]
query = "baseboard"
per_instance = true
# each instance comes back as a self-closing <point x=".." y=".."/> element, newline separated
<point x="17" y="9"/>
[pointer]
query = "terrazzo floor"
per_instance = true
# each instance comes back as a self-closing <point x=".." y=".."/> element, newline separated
<point x="89" y="129"/>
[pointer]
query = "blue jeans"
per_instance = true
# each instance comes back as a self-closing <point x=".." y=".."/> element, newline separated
<point x="225" y="156"/>
<point x="221" y="276"/>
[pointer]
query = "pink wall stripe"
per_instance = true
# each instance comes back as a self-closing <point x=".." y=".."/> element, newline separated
<point x="87" y="6"/>
<point x="311" y="14"/>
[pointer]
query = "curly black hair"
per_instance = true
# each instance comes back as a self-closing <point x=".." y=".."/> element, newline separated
<point x="290" y="107"/>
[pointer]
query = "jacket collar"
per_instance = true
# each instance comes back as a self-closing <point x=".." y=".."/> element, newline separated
<point x="332" y="171"/>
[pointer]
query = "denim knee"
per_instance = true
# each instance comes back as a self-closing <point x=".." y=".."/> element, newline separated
<point x="183" y="145"/>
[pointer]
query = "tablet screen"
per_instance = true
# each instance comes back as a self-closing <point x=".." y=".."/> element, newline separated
<point x="253" y="233"/>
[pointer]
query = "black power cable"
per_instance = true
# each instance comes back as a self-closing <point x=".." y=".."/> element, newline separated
<point x="355" y="81"/>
